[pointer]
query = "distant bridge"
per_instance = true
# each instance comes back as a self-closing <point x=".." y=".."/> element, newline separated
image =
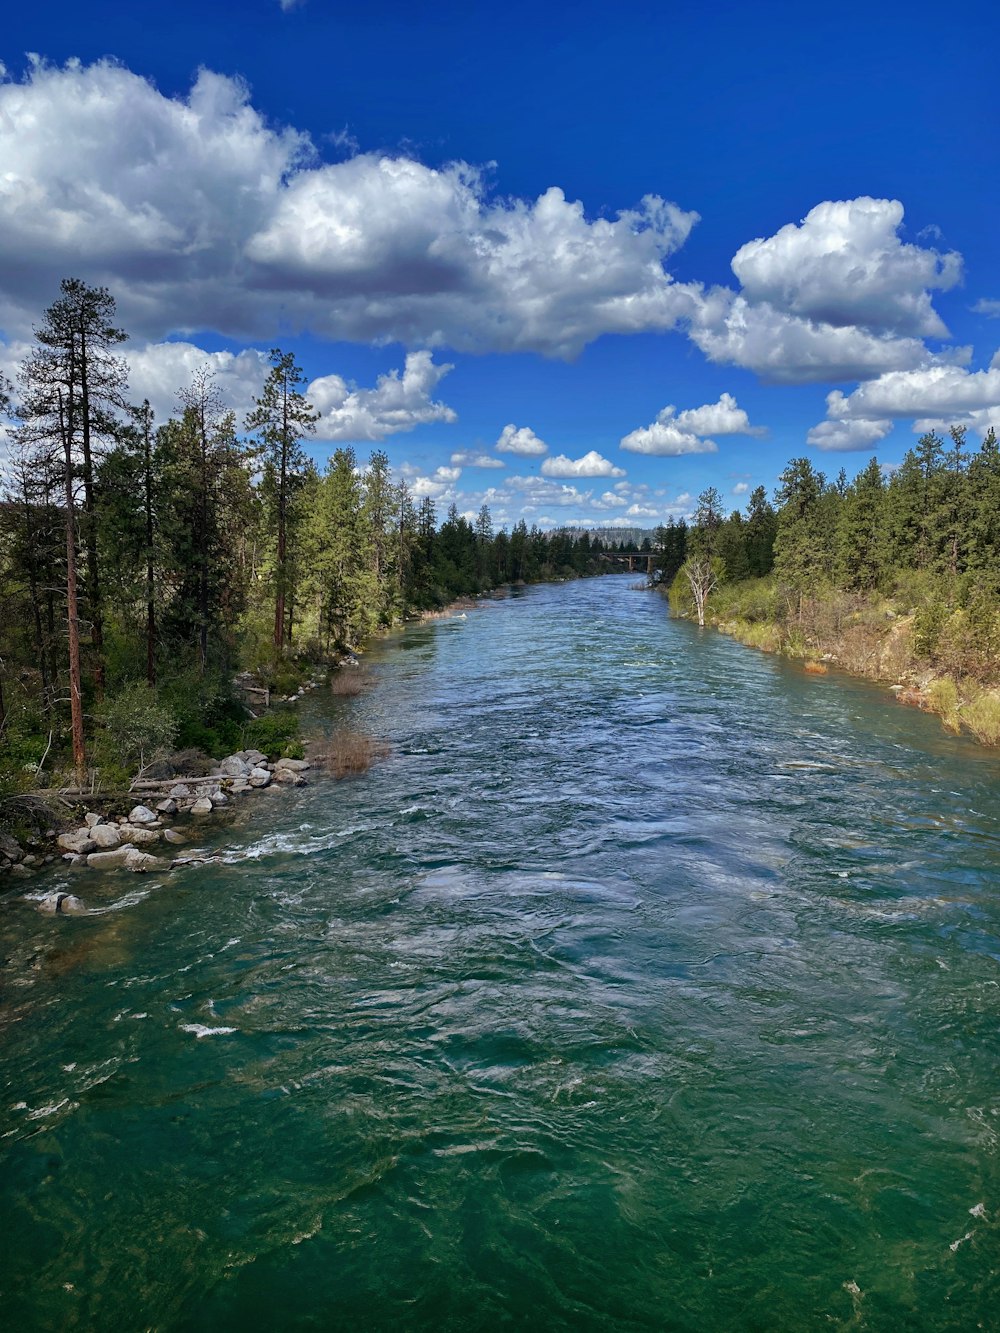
<point x="636" y="559"/>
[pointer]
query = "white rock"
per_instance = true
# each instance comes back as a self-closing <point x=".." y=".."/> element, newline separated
<point x="61" y="904"/>
<point x="167" y="807"/>
<point x="259" y="777"/>
<point x="93" y="820"/>
<point x="106" y="836"/>
<point x="289" y="778"/>
<point x="219" y="798"/>
<point x="202" y="806"/>
<point x="171" y="835"/>
<point x="180" y="791"/>
<point x="139" y="862"/>
<point x="139" y="836"/>
<point x="235" y="766"/>
<point x="80" y="842"/>
<point x="296" y="765"/>
<point x="141" y="814"/>
<point x="110" y="860"/>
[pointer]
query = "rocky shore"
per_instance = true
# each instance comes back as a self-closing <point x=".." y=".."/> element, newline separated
<point x="142" y="840"/>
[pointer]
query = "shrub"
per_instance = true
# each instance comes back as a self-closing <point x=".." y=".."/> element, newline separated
<point x="349" y="753"/>
<point x="136" y="727"/>
<point x="943" y="699"/>
<point x="347" y="682"/>
<point x="273" y="733"/>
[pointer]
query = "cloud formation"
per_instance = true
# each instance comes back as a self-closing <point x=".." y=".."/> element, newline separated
<point x="469" y="458"/>
<point x="520" y="440"/>
<point x="590" y="465"/>
<point x="399" y="402"/>
<point x="375" y="248"/>
<point x="673" y="434"/>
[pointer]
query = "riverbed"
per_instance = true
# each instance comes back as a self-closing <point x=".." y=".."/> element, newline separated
<point x="648" y="983"/>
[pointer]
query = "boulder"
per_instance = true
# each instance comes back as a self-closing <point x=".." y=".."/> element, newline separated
<point x="106" y="836"/>
<point x="171" y="835"/>
<point x="139" y="836"/>
<point x="10" y="848"/>
<point x="202" y="806"/>
<point x="80" y="842"/>
<point x="168" y="807"/>
<point x="254" y="757"/>
<point x="180" y="791"/>
<point x="112" y="860"/>
<point x="296" y="765"/>
<point x="139" y="862"/>
<point x="259" y="777"/>
<point x="239" y="785"/>
<point x="92" y="820"/>
<point x="141" y="814"/>
<point x="218" y="798"/>
<point x="289" y="778"/>
<point x="234" y="766"/>
<point x="61" y="904"/>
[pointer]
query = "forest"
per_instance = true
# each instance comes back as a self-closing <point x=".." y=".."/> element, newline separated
<point x="893" y="575"/>
<point x="144" y="564"/>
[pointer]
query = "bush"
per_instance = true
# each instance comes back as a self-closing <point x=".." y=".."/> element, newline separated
<point x="136" y="727"/>
<point x="943" y="700"/>
<point x="277" y="734"/>
<point x="350" y="753"/>
<point x="982" y="716"/>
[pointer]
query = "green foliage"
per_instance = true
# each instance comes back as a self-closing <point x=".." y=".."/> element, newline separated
<point x="136" y="727"/>
<point x="927" y="626"/>
<point x="276" y="733"/>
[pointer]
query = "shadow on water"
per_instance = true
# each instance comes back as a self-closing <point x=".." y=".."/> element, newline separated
<point x="647" y="984"/>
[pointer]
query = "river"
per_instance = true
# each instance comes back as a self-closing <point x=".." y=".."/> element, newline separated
<point x="649" y="983"/>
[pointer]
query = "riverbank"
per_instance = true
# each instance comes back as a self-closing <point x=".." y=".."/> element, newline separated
<point x="928" y="659"/>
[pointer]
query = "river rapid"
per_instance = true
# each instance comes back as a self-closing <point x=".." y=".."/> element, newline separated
<point x="649" y="983"/>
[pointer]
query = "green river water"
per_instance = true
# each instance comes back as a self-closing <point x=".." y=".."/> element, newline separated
<point x="647" y="984"/>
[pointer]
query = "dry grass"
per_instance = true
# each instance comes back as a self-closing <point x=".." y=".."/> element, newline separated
<point x="812" y="668"/>
<point x="348" y="682"/>
<point x="943" y="699"/>
<point x="349" y="753"/>
<point x="982" y="716"/>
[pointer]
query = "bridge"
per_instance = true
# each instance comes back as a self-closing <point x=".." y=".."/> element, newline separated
<point x="636" y="559"/>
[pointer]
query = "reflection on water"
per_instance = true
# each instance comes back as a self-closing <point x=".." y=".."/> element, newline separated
<point x="648" y="984"/>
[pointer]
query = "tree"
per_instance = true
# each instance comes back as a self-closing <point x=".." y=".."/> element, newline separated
<point x="281" y="416"/>
<point x="703" y="573"/>
<point x="73" y="364"/>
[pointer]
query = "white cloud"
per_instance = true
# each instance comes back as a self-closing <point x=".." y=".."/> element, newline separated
<point x="932" y="390"/>
<point x="725" y="417"/>
<point x="520" y="440"/>
<point x="740" y="488"/>
<point x="467" y="458"/>
<point x="440" y="485"/>
<point x="987" y="307"/>
<point x="399" y="402"/>
<point x="198" y="214"/>
<point x="845" y="265"/>
<point x="590" y="465"/>
<point x="855" y="434"/>
<point x="157" y="371"/>
<point x="786" y="349"/>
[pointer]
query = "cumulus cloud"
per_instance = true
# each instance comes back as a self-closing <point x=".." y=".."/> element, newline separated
<point x="932" y="390"/>
<point x="845" y="265"/>
<point x="740" y="488"/>
<point x="375" y="248"/>
<point x="521" y="440"/>
<point x="673" y="434"/>
<point x="987" y="307"/>
<point x="468" y="458"/>
<point x="590" y="465"/>
<point x="857" y="434"/>
<point x="438" y="485"/>
<point x="158" y="371"/>
<point x="399" y="402"/>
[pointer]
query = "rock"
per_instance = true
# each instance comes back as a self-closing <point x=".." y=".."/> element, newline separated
<point x="30" y="860"/>
<point x="239" y="785"/>
<point x="61" y="904"/>
<point x="296" y="765"/>
<point x="218" y="798"/>
<point x="141" y="814"/>
<point x="19" y="870"/>
<point x="171" y="835"/>
<point x="167" y="807"/>
<point x="47" y="860"/>
<point x="139" y="862"/>
<point x="289" y="778"/>
<point x="202" y="806"/>
<point x="92" y="820"/>
<point x="259" y="777"/>
<point x="80" y="842"/>
<point x="254" y="757"/>
<point x="73" y="860"/>
<point x="235" y="766"/>
<point x="180" y="791"/>
<point x="141" y="837"/>
<point x="10" y="848"/>
<point x="106" y="836"/>
<point x="112" y="860"/>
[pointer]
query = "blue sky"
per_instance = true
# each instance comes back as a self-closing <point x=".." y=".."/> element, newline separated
<point x="659" y="247"/>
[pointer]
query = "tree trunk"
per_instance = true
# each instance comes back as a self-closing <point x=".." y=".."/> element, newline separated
<point x="90" y="527"/>
<point x="150" y="571"/>
<point x="72" y="615"/>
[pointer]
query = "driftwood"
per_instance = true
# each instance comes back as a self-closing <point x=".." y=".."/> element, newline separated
<point x="158" y="784"/>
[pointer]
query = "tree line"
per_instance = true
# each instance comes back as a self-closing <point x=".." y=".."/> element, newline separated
<point x="142" y="563"/>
